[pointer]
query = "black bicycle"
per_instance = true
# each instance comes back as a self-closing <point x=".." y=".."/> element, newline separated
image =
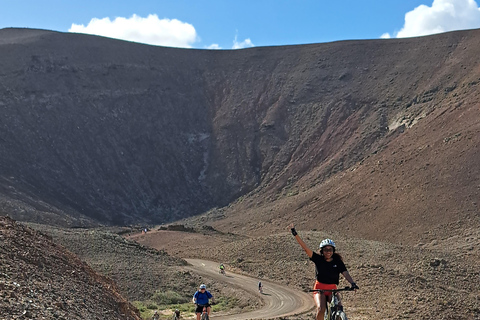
<point x="205" y="315"/>
<point x="333" y="311"/>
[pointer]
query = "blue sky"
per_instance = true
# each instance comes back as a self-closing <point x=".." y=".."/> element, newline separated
<point x="225" y="24"/>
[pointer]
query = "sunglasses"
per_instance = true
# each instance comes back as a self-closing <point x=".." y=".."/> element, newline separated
<point x="327" y="249"/>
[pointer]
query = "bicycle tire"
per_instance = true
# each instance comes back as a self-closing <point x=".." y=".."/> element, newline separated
<point x="326" y="315"/>
<point x="339" y="315"/>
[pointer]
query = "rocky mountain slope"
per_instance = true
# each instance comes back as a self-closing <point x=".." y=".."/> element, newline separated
<point x="42" y="280"/>
<point x="99" y="130"/>
<point x="374" y="143"/>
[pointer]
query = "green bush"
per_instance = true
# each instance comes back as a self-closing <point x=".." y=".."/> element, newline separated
<point x="168" y="297"/>
<point x="152" y="306"/>
<point x="140" y="306"/>
<point x="225" y="303"/>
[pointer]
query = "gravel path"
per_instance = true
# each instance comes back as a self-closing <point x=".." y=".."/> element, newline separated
<point x="279" y="300"/>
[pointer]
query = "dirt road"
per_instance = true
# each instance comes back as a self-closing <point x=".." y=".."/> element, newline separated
<point x="279" y="300"/>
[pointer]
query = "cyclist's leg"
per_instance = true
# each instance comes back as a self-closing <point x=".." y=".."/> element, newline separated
<point x="208" y="310"/>
<point x="339" y="297"/>
<point x="321" y="303"/>
<point x="198" y="312"/>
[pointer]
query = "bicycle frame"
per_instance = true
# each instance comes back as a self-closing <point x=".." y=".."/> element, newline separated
<point x="204" y="315"/>
<point x="331" y="312"/>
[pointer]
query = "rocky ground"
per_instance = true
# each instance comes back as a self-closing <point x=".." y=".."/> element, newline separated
<point x="141" y="272"/>
<point x="396" y="281"/>
<point x="40" y="279"/>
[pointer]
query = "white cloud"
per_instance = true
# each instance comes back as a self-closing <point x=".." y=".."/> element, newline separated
<point x="442" y="16"/>
<point x="149" y="30"/>
<point x="247" y="43"/>
<point x="386" y="35"/>
<point x="214" y="46"/>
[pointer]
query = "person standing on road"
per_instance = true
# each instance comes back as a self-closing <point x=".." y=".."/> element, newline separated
<point x="176" y="315"/>
<point x="328" y="267"/>
<point x="201" y="298"/>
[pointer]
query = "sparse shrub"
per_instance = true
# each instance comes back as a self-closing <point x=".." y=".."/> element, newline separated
<point x="168" y="297"/>
<point x="140" y="306"/>
<point x="225" y="303"/>
<point x="152" y="306"/>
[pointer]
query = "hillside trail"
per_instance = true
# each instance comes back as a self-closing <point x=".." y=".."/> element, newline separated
<point x="279" y="300"/>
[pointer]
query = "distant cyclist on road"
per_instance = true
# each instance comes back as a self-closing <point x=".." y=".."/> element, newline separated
<point x="201" y="298"/>
<point x="260" y="287"/>
<point x="222" y="268"/>
<point x="328" y="266"/>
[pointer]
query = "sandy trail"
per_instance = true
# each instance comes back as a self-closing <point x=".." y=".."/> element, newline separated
<point x="279" y="300"/>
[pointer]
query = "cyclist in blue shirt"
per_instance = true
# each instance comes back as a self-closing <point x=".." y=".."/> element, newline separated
<point x="201" y="299"/>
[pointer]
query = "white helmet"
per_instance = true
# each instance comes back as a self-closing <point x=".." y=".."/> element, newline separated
<point x="327" y="242"/>
<point x="202" y="286"/>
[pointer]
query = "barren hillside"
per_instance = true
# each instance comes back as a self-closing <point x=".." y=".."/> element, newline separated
<point x="374" y="143"/>
<point x="100" y="130"/>
<point x="42" y="280"/>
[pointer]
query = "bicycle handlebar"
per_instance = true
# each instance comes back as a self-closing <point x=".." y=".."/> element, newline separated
<point x="331" y="290"/>
<point x="204" y="305"/>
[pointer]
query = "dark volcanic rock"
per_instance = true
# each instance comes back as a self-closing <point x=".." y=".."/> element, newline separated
<point x="122" y="132"/>
<point x="42" y="280"/>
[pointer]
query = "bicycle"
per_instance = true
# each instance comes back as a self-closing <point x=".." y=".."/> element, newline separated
<point x="204" y="315"/>
<point x="222" y="271"/>
<point x="332" y="311"/>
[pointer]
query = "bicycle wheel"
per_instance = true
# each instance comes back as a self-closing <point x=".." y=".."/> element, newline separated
<point x="339" y="315"/>
<point x="326" y="316"/>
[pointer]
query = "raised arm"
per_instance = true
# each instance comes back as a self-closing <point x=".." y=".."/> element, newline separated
<point x="300" y="241"/>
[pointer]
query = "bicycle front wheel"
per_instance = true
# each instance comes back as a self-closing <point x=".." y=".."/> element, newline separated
<point x="339" y="315"/>
<point x="326" y="316"/>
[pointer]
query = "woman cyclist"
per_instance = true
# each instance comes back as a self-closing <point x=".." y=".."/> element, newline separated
<point x="328" y="266"/>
